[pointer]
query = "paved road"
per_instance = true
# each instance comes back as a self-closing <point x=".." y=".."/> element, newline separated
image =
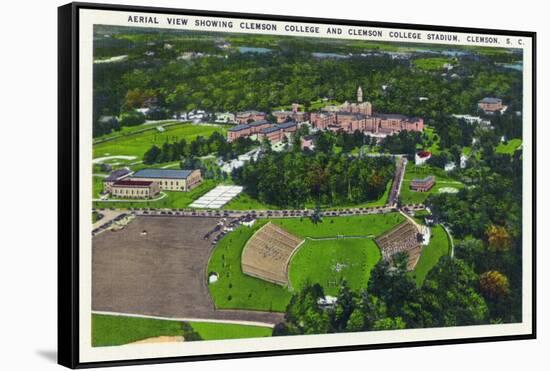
<point x="189" y="319"/>
<point x="108" y="216"/>
<point x="401" y="164"/>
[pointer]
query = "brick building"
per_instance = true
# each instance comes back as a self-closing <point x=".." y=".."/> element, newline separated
<point x="135" y="189"/>
<point x="244" y="130"/>
<point x="114" y="177"/>
<point x="171" y="179"/>
<point x="276" y="133"/>
<point x="490" y="105"/>
<point x="247" y="116"/>
<point x="423" y="185"/>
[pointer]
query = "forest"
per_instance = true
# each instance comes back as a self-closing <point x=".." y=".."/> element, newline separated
<point x="293" y="179"/>
<point x="481" y="284"/>
<point x="197" y="73"/>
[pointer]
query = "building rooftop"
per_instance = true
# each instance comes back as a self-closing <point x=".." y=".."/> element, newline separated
<point x="133" y="183"/>
<point x="428" y="179"/>
<point x="251" y="112"/>
<point x="287" y="125"/>
<point x="117" y="174"/>
<point x="259" y="122"/>
<point x="163" y="174"/>
<point x="270" y="129"/>
<point x="240" y="127"/>
<point x="106" y="119"/>
<point x="490" y="100"/>
<point x="395" y="116"/>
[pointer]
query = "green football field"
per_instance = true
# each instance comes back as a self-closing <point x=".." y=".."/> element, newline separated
<point x="328" y="262"/>
<point x="236" y="290"/>
<point x="110" y="330"/>
<point x="137" y="144"/>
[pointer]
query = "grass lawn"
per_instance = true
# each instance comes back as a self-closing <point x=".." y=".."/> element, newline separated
<point x="236" y="290"/>
<point x="439" y="246"/>
<point x="328" y="262"/>
<point x="244" y="202"/>
<point x="442" y="180"/>
<point x="220" y="331"/>
<point x="363" y="225"/>
<point x="97" y="186"/>
<point x="118" y="330"/>
<point x="130" y="130"/>
<point x="173" y="199"/>
<point x="95" y="216"/>
<point x="510" y="147"/>
<point x="136" y="145"/>
<point x="432" y="63"/>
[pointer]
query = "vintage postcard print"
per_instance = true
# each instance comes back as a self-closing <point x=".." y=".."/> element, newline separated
<point x="269" y="184"/>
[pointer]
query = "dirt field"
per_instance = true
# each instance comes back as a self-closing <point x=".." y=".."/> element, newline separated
<point x="161" y="272"/>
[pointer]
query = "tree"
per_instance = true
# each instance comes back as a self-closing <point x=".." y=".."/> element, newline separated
<point x="449" y="296"/>
<point x="356" y="321"/>
<point x="494" y="285"/>
<point x="304" y="315"/>
<point x="189" y="333"/>
<point x="345" y="305"/>
<point x="132" y="118"/>
<point x="472" y="251"/>
<point x="152" y="155"/>
<point x="389" y="323"/>
<point x="498" y="238"/>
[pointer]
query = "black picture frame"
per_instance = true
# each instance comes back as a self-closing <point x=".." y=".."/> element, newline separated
<point x="68" y="184"/>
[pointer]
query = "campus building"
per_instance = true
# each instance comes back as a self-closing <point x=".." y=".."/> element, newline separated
<point x="276" y="133"/>
<point x="384" y="124"/>
<point x="350" y="117"/>
<point x="245" y="130"/>
<point x="307" y="142"/>
<point x="170" y="179"/>
<point x="294" y="115"/>
<point x="135" y="189"/>
<point x="114" y="177"/>
<point x="247" y="116"/>
<point x="423" y="185"/>
<point x="490" y="105"/>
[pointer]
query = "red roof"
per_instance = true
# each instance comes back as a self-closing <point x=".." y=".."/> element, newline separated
<point x="133" y="183"/>
<point x="423" y="154"/>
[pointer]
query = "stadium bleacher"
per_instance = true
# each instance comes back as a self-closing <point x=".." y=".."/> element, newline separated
<point x="402" y="238"/>
<point x="267" y="253"/>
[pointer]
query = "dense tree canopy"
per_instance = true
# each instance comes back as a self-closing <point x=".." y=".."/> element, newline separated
<point x="294" y="178"/>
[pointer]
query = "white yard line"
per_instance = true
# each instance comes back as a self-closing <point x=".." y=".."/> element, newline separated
<point x="187" y="319"/>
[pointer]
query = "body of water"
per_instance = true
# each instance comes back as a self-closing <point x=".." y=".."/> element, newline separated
<point x="252" y="49"/>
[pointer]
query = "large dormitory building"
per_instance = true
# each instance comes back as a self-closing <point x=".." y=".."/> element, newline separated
<point x="348" y="117"/>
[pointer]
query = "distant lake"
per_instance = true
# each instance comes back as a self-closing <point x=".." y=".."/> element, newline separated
<point x="329" y="55"/>
<point x="252" y="49"/>
<point x="518" y="66"/>
<point x="453" y="53"/>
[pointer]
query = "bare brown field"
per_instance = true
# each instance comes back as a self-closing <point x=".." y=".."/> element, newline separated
<point x="157" y="266"/>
